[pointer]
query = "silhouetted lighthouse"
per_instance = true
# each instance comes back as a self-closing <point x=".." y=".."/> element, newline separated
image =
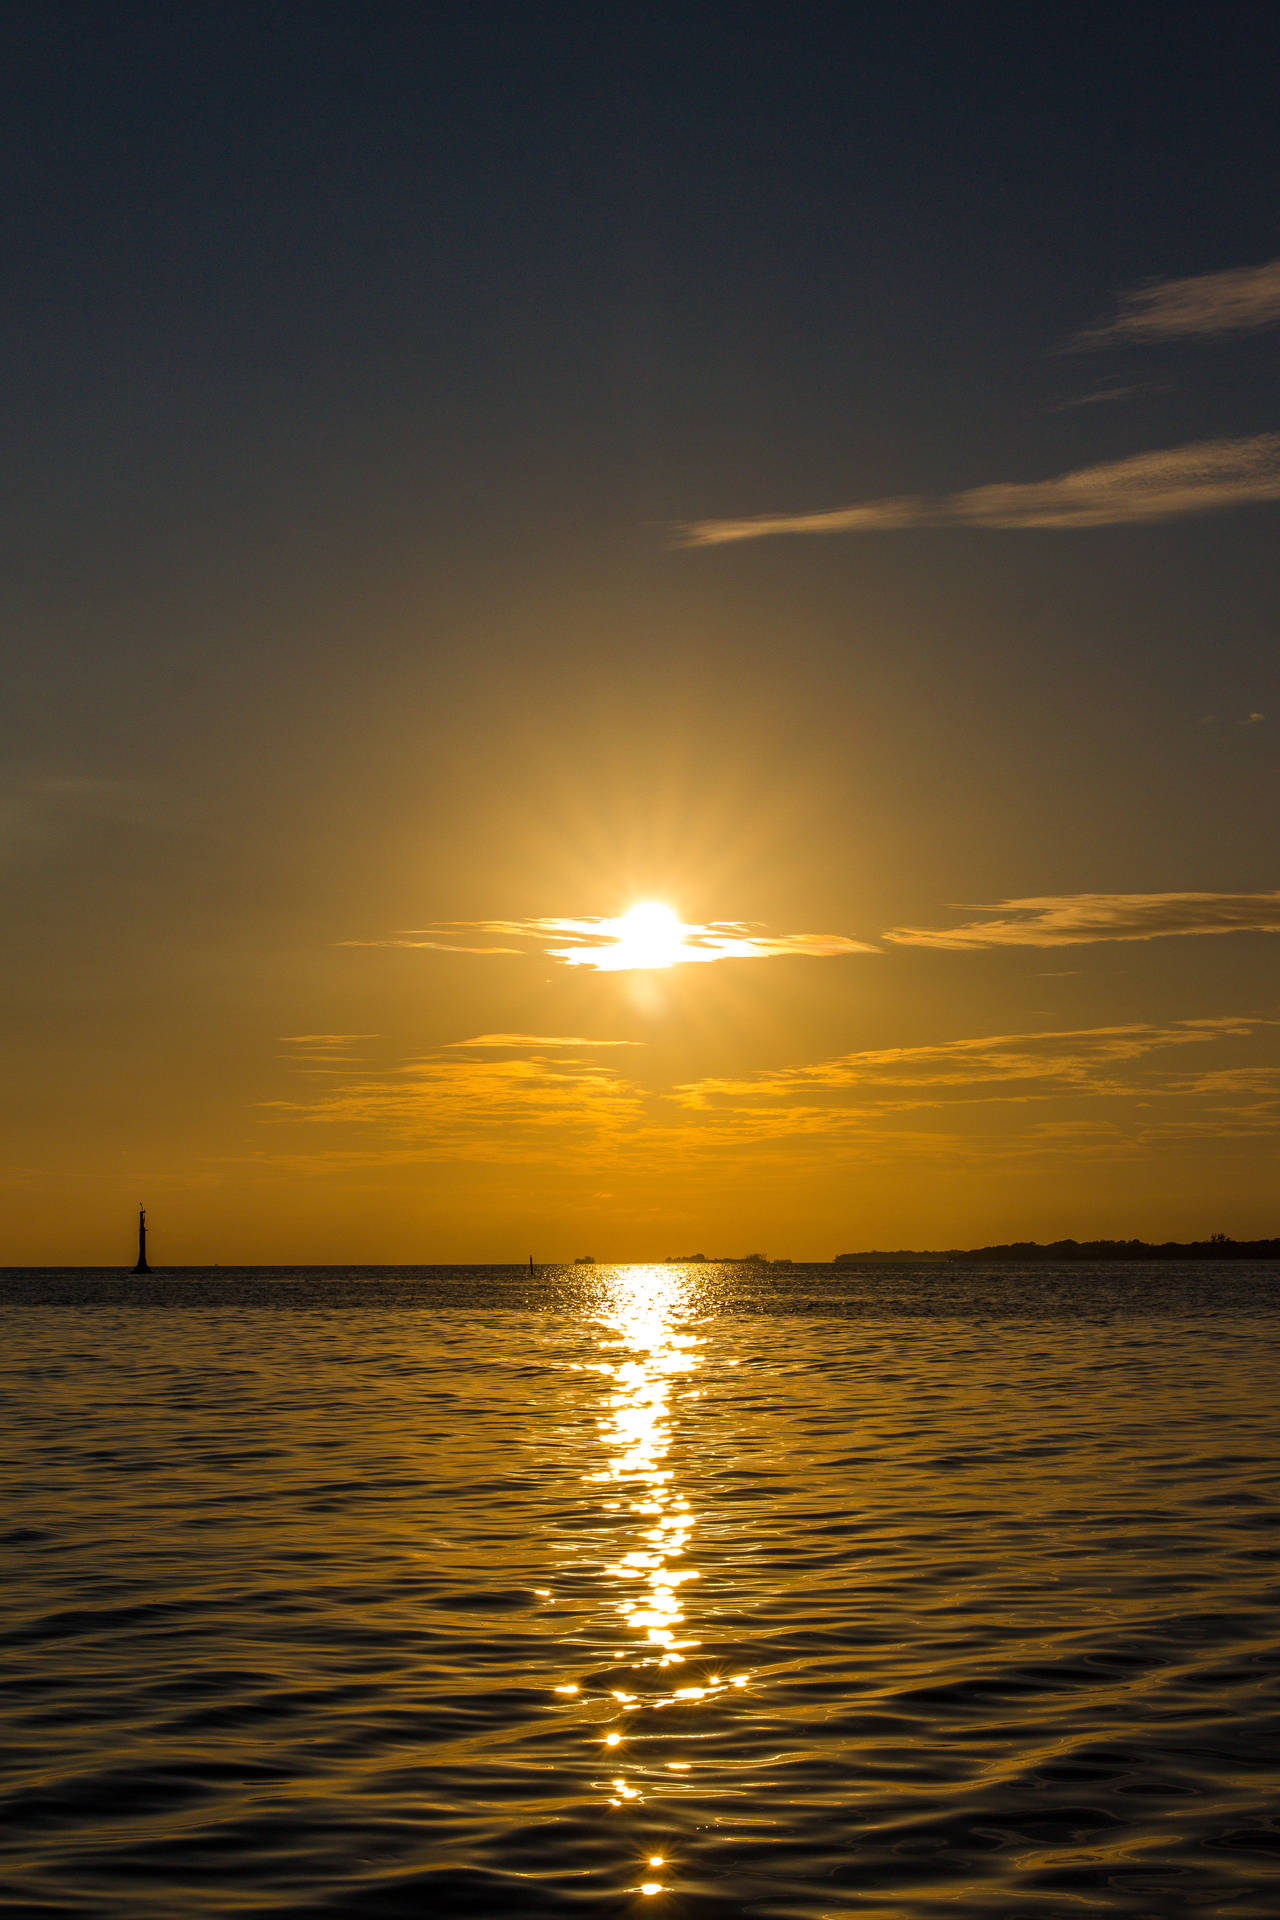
<point x="142" y="1266"/>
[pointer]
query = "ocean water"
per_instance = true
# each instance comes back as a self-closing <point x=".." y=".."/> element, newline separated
<point x="671" y="1590"/>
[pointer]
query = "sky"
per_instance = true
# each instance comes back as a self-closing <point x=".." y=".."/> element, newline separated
<point x="475" y="472"/>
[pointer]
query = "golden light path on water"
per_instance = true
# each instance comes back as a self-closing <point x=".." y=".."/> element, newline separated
<point x="647" y="1320"/>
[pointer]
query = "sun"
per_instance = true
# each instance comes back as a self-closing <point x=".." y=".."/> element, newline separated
<point x="649" y="934"/>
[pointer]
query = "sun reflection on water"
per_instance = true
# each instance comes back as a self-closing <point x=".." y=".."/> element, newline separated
<point x="642" y="1318"/>
<point x="648" y="1323"/>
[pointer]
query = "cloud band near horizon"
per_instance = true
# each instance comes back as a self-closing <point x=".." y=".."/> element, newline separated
<point x="1070" y="1091"/>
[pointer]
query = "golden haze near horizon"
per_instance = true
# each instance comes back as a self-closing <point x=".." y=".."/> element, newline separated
<point x="643" y="1082"/>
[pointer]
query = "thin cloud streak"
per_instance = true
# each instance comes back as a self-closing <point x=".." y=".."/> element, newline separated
<point x="1099" y="396"/>
<point x="324" y="1041"/>
<point x="535" y="1042"/>
<point x="324" y="1055"/>
<point x="418" y="940"/>
<point x="873" y="516"/>
<point x="1078" y="919"/>
<point x="1170" y="483"/>
<point x="1236" y="300"/>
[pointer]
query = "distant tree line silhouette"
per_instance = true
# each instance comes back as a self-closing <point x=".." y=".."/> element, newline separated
<point x="1219" y="1246"/>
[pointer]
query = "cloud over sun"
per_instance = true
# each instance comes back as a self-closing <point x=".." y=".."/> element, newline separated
<point x="649" y="935"/>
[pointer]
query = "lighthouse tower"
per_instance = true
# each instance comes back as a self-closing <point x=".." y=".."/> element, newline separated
<point x="142" y="1266"/>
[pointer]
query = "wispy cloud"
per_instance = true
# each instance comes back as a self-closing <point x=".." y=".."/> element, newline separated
<point x="873" y="516"/>
<point x="998" y="1098"/>
<point x="1080" y="1058"/>
<point x="616" y="945"/>
<point x="1110" y="390"/>
<point x="514" y="1109"/>
<point x="994" y="1098"/>
<point x="1201" y="478"/>
<point x="1076" y="919"/>
<point x="324" y="1053"/>
<point x="1237" y="300"/>
<point x="1255" y="1080"/>
<point x="869" y="516"/>
<point x="421" y="937"/>
<point x="1167" y="484"/>
<point x="536" y="1042"/>
<point x="324" y="1041"/>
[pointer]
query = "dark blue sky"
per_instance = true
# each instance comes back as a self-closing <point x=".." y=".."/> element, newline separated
<point x="278" y="264"/>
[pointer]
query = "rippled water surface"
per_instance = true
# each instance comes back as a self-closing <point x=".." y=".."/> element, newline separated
<point x="642" y="1589"/>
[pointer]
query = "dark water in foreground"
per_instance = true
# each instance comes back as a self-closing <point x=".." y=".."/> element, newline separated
<point x="443" y="1592"/>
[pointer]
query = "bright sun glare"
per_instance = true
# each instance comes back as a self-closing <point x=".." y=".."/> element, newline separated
<point x="649" y="935"/>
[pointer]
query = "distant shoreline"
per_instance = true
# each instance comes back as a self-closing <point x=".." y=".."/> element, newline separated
<point x="1218" y="1247"/>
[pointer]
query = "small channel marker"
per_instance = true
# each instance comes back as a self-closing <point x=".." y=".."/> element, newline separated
<point x="142" y="1266"/>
